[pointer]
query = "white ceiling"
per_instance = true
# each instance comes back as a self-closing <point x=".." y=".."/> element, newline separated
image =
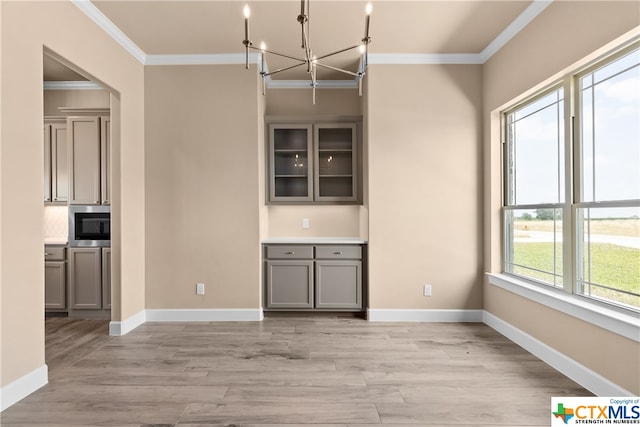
<point x="182" y="30"/>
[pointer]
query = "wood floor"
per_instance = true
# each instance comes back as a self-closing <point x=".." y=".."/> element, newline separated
<point x="329" y="371"/>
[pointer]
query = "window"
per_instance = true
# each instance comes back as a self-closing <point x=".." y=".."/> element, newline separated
<point x="572" y="183"/>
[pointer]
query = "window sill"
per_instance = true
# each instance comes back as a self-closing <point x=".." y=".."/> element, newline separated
<point x="622" y="323"/>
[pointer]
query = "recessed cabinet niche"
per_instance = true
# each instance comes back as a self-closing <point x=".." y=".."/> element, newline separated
<point x="313" y="163"/>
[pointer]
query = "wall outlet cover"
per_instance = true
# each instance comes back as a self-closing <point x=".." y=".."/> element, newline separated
<point x="199" y="288"/>
<point x="427" y="290"/>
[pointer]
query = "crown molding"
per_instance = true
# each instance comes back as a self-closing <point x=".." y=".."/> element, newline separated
<point x="306" y="84"/>
<point x="110" y="28"/>
<point x="528" y="15"/>
<point x="72" y="85"/>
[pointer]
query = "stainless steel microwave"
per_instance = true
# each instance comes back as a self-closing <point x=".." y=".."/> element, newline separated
<point x="89" y="225"/>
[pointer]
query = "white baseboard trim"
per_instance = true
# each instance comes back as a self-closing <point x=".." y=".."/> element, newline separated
<point x="122" y="328"/>
<point x="205" y="315"/>
<point x="584" y="376"/>
<point x="23" y="386"/>
<point x="419" y="315"/>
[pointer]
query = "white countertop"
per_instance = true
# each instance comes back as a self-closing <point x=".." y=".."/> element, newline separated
<point x="315" y="240"/>
<point x="55" y="241"/>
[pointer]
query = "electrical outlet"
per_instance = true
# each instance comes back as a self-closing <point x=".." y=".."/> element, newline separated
<point x="199" y="288"/>
<point x="305" y="222"/>
<point x="426" y="290"/>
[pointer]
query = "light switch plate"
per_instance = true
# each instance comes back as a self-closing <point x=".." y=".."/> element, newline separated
<point x="199" y="288"/>
<point x="305" y="222"/>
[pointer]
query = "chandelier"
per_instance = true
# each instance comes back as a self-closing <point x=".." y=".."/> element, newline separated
<point x="310" y="61"/>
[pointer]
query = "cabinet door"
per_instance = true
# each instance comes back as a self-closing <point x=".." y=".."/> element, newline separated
<point x="289" y="284"/>
<point x="105" y="159"/>
<point x="338" y="284"/>
<point x="336" y="172"/>
<point x="85" y="278"/>
<point x="59" y="163"/>
<point x="106" y="278"/>
<point x="84" y="167"/>
<point x="290" y="163"/>
<point x="47" y="162"/>
<point x="55" y="285"/>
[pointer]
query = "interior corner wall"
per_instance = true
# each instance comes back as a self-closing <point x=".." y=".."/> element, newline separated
<point x="424" y="168"/>
<point x="203" y="187"/>
<point x="564" y="36"/>
<point x="26" y="28"/>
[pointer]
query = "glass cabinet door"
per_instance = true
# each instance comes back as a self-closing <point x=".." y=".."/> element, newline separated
<point x="291" y="163"/>
<point x="335" y="156"/>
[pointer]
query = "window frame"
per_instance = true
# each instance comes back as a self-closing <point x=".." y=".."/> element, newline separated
<point x="573" y="203"/>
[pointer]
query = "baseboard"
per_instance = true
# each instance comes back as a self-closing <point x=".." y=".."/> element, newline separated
<point x="399" y="315"/>
<point x="205" y="315"/>
<point x="584" y="376"/>
<point x="23" y="386"/>
<point x="122" y="328"/>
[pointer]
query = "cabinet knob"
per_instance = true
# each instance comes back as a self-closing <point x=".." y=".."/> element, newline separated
<point x="289" y="253"/>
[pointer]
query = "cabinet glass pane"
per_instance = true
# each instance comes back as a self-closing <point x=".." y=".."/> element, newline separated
<point x="291" y="163"/>
<point x="335" y="163"/>
<point x="334" y="138"/>
<point x="335" y="186"/>
<point x="290" y="139"/>
<point x="291" y="186"/>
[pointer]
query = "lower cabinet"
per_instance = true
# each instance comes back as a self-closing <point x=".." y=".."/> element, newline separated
<point x="55" y="278"/>
<point x="89" y="280"/>
<point x="319" y="277"/>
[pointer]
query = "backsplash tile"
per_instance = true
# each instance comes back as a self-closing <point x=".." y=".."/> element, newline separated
<point x="56" y="222"/>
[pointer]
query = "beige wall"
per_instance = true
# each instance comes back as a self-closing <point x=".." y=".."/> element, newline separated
<point x="424" y="135"/>
<point x="562" y="37"/>
<point x="53" y="99"/>
<point x="203" y="186"/>
<point x="26" y="28"/>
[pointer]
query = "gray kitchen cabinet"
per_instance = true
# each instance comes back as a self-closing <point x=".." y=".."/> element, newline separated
<point x="313" y="277"/>
<point x="88" y="138"/>
<point x="56" y="161"/>
<point x="55" y="278"/>
<point x="85" y="278"/>
<point x="338" y="277"/>
<point x="314" y="163"/>
<point x="106" y="278"/>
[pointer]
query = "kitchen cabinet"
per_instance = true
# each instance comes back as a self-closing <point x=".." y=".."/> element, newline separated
<point x="89" y="162"/>
<point x="55" y="278"/>
<point x="313" y="277"/>
<point x="89" y="280"/>
<point x="314" y="163"/>
<point x="56" y="161"/>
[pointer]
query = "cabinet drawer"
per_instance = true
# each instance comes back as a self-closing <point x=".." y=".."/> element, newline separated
<point x="55" y="253"/>
<point x="289" y="252"/>
<point x="339" y="252"/>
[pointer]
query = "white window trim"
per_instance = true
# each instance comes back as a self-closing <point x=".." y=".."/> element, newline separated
<point x="626" y="324"/>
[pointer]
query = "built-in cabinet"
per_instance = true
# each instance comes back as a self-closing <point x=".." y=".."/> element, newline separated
<point x="314" y="163"/>
<point x="89" y="280"/>
<point x="313" y="277"/>
<point x="89" y="140"/>
<point x="56" y="161"/>
<point x="55" y="277"/>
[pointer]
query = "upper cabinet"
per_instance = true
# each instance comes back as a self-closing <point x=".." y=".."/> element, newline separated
<point x="56" y="161"/>
<point x="89" y="139"/>
<point x="314" y="163"/>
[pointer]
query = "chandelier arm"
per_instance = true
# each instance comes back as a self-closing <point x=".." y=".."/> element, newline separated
<point x="283" y="69"/>
<point x="338" y="51"/>
<point x="351" y="73"/>
<point x="276" y="53"/>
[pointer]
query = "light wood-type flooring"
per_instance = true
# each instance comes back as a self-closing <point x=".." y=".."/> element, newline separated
<point x="320" y="370"/>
